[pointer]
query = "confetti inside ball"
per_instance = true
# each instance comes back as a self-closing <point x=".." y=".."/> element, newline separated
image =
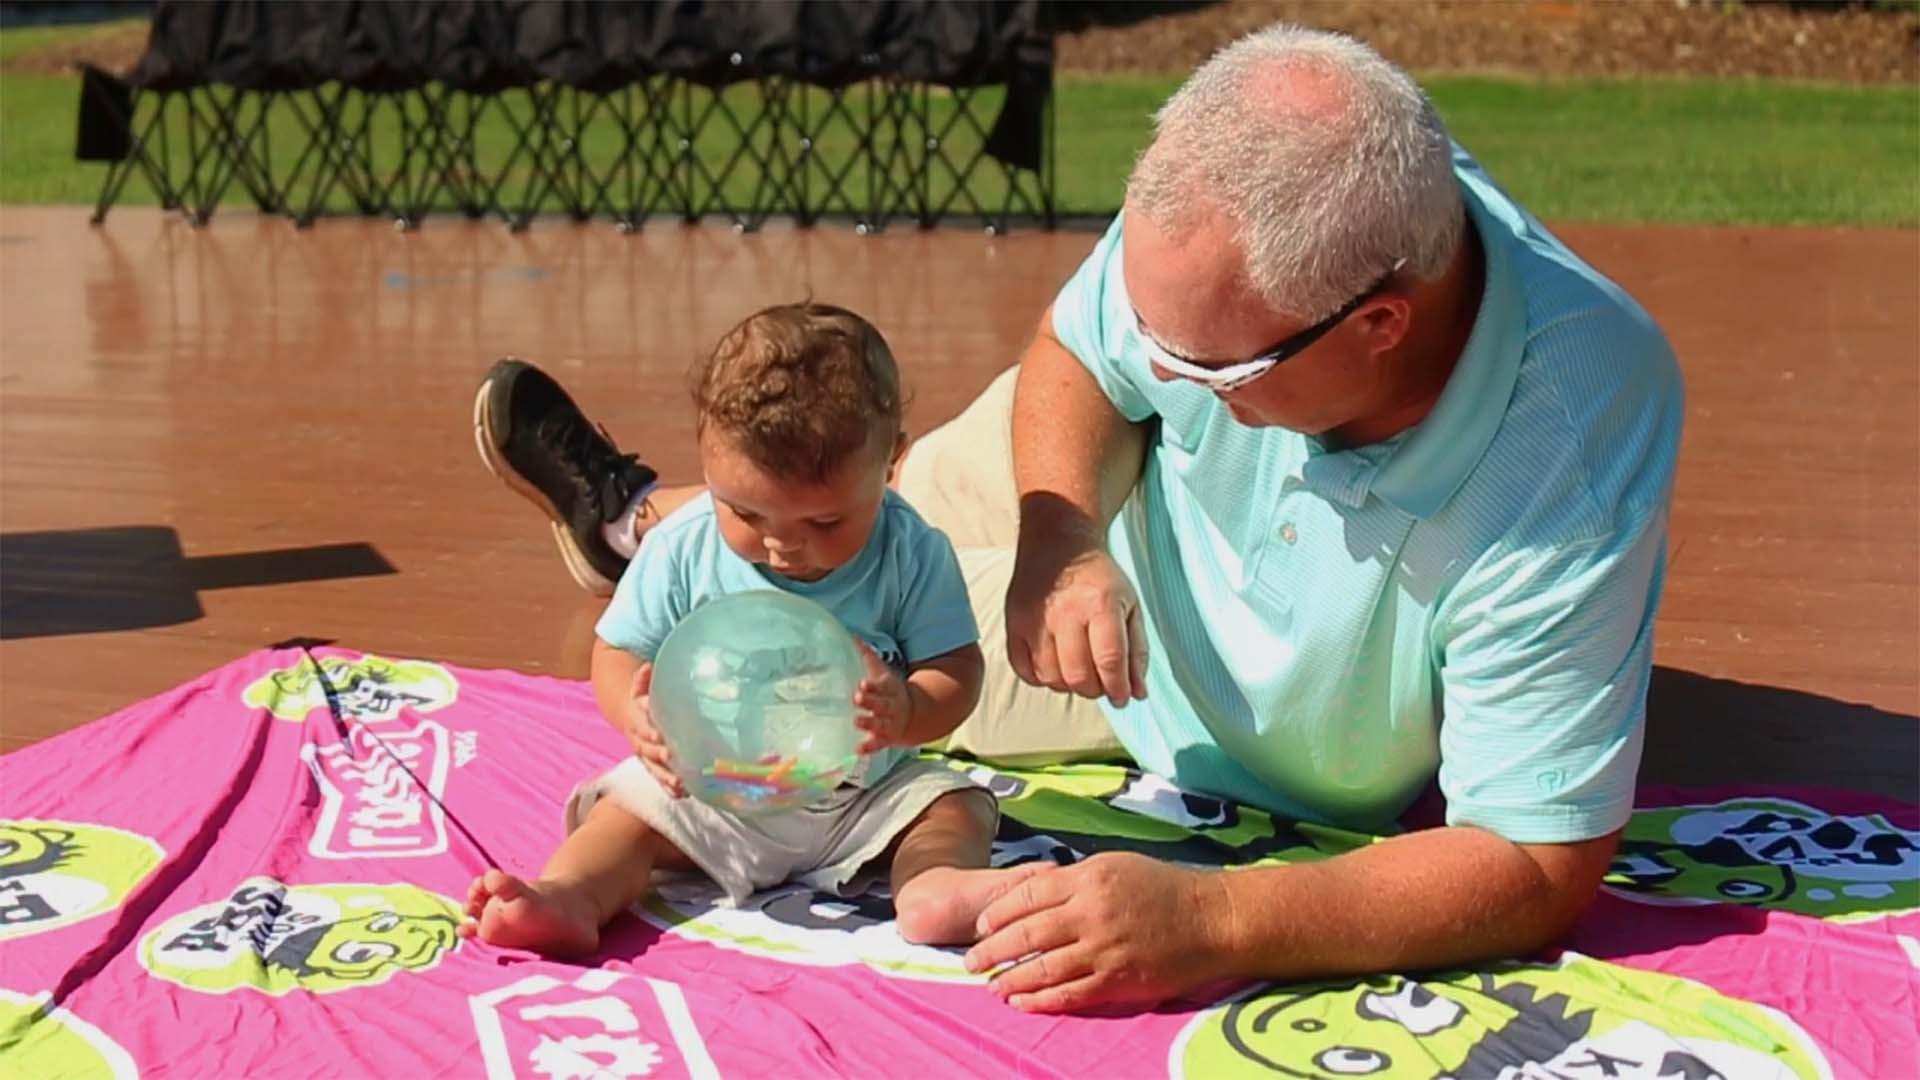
<point x="753" y="693"/>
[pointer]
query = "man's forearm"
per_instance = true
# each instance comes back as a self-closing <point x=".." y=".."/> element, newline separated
<point x="1428" y="899"/>
<point x="1075" y="457"/>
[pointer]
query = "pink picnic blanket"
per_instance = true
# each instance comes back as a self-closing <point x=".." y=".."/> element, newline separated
<point x="257" y="875"/>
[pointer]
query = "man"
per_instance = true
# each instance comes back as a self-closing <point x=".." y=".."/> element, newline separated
<point x="1336" y="474"/>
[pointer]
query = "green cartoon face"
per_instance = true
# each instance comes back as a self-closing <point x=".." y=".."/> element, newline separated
<point x="366" y="688"/>
<point x="1672" y="871"/>
<point x="1089" y="808"/>
<point x="53" y="873"/>
<point x="1387" y="1021"/>
<point x="1770" y="853"/>
<point x="30" y="847"/>
<point x="1577" y="1018"/>
<point x="321" y="938"/>
<point x="39" y="1039"/>
<point x="357" y="950"/>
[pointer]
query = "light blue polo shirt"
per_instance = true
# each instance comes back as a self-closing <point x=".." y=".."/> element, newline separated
<point x="903" y="594"/>
<point x="1329" y="628"/>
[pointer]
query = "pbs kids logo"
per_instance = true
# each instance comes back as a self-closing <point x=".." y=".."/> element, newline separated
<point x="55" y="873"/>
<point x="275" y="938"/>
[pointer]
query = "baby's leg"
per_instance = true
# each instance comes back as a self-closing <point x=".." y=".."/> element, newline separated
<point x="602" y="867"/>
<point x="941" y="881"/>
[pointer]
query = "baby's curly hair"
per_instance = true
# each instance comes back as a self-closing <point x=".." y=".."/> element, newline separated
<point x="801" y="389"/>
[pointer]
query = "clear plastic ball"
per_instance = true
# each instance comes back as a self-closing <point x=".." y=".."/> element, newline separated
<point x="753" y="693"/>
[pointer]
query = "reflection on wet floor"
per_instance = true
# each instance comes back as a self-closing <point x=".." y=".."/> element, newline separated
<point x="238" y="399"/>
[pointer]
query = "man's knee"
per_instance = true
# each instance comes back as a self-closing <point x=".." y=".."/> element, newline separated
<point x="959" y="476"/>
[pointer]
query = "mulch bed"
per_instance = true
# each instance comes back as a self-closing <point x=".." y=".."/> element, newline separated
<point x="1556" y="38"/>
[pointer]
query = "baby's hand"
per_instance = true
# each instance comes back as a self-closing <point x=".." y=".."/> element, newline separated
<point x="648" y="745"/>
<point x="882" y="705"/>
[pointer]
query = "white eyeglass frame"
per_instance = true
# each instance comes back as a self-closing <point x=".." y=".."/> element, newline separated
<point x="1229" y="377"/>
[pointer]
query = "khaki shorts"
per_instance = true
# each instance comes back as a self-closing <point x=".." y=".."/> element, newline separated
<point x="960" y="478"/>
<point x="824" y="848"/>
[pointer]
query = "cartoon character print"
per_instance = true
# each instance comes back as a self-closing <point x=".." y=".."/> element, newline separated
<point x="47" y="1042"/>
<point x="800" y="925"/>
<point x="1085" y="809"/>
<point x="277" y="938"/>
<point x="32" y="847"/>
<point x="1770" y="853"/>
<point x="368" y="687"/>
<point x="53" y="873"/>
<point x="1061" y="815"/>
<point x="1573" y="1020"/>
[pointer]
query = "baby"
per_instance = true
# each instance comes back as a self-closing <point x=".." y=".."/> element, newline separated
<point x="799" y="424"/>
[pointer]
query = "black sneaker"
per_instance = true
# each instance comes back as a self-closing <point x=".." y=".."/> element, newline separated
<point x="535" y="438"/>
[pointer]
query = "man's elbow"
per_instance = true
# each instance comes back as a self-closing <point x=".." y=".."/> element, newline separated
<point x="1569" y="879"/>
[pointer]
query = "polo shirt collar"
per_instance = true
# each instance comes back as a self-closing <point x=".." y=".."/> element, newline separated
<point x="1345" y="476"/>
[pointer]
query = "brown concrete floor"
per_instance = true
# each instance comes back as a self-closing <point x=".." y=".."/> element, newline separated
<point x="245" y="390"/>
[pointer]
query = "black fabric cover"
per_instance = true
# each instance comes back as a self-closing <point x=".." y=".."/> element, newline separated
<point x="106" y="112"/>
<point x="487" y="46"/>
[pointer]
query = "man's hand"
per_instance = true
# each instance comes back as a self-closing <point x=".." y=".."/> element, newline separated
<point x="883" y="707"/>
<point x="648" y="745"/>
<point x="1118" y="928"/>
<point x="1073" y="624"/>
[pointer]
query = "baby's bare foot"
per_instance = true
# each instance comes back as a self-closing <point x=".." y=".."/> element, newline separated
<point x="547" y="917"/>
<point x="941" y="905"/>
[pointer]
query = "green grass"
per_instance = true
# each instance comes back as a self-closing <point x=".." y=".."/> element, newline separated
<point x="1669" y="151"/>
<point x="1619" y="151"/>
<point x="1709" y="151"/>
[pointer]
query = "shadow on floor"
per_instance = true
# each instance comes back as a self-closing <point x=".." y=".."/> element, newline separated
<point x="87" y="581"/>
<point x="1703" y="731"/>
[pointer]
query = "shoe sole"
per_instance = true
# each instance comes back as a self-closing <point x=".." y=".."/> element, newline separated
<point x="485" y="438"/>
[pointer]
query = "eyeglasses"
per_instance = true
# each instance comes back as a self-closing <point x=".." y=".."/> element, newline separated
<point x="1222" y="379"/>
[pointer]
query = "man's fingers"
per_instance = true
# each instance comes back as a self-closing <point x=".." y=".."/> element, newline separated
<point x="1020" y="944"/>
<point x="1107" y="642"/>
<point x="1137" y="651"/>
<point x="1077" y="672"/>
<point x="1039" y="970"/>
<point x="1036" y="894"/>
<point x="1081" y="993"/>
<point x="1020" y="658"/>
<point x="1002" y="926"/>
<point x="1046" y="662"/>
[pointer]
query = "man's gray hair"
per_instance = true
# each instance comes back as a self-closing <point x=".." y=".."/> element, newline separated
<point x="1330" y="162"/>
